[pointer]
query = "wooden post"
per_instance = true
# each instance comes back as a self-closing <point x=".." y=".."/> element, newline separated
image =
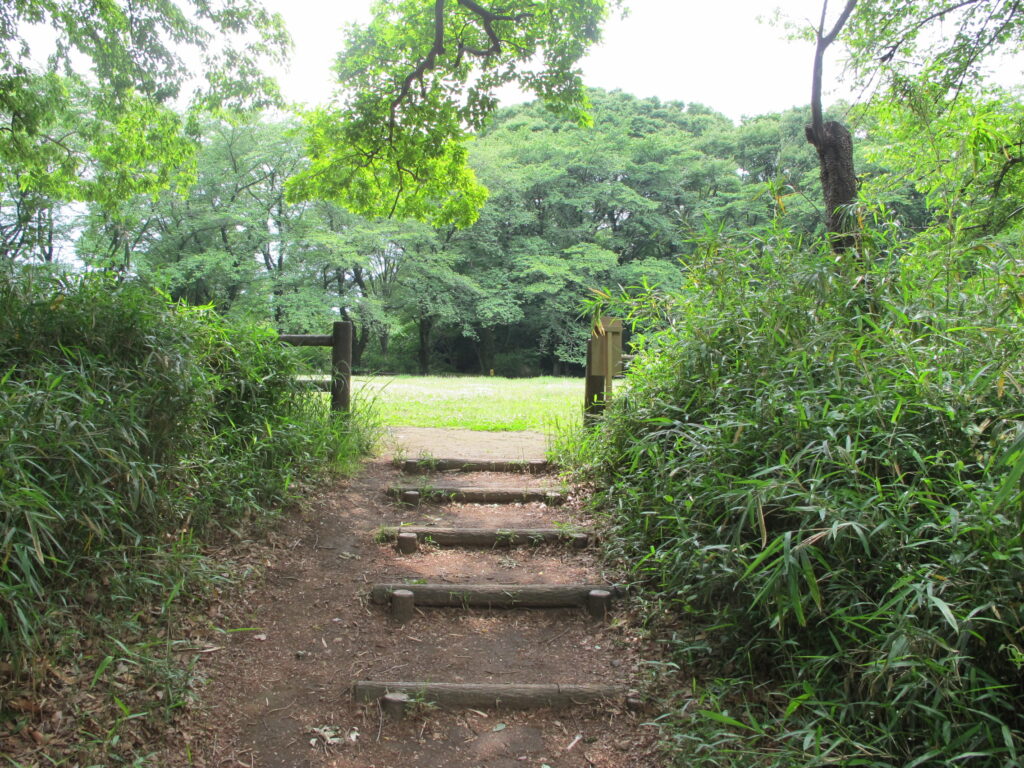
<point x="341" y="366"/>
<point x="394" y="704"/>
<point x="613" y="350"/>
<point x="593" y="397"/>
<point x="403" y="605"/>
<point x="604" y="363"/>
<point x="598" y="603"/>
<point x="635" y="701"/>
<point x="407" y="542"/>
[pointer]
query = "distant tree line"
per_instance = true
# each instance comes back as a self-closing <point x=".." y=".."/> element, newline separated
<point x="571" y="210"/>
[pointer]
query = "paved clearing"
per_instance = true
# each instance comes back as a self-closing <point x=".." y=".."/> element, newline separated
<point x="279" y="691"/>
<point x="431" y="442"/>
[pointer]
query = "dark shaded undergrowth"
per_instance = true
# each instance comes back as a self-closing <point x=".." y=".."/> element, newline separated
<point x="816" y="472"/>
<point x="132" y="432"/>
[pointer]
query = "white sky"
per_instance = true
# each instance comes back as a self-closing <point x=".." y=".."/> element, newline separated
<point x="715" y="52"/>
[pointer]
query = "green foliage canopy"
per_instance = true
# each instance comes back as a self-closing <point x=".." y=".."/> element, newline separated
<point x="418" y="80"/>
<point x="571" y="210"/>
<point x="96" y="121"/>
<point x="943" y="41"/>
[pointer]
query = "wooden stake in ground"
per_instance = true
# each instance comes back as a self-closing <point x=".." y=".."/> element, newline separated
<point x="394" y="705"/>
<point x="403" y="605"/>
<point x="599" y="603"/>
<point x="407" y="542"/>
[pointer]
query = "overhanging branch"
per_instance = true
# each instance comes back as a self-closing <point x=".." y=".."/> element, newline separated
<point x="823" y="41"/>
<point x="487" y="19"/>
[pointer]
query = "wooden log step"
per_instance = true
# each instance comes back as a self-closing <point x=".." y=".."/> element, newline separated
<point x="413" y="494"/>
<point x="495" y="595"/>
<point x="511" y="696"/>
<point x="488" y="537"/>
<point x="416" y="466"/>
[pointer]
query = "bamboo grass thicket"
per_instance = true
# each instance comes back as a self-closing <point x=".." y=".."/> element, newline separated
<point x="130" y="427"/>
<point x="816" y="474"/>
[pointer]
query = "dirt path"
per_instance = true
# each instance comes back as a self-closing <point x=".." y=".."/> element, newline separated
<point x="279" y="692"/>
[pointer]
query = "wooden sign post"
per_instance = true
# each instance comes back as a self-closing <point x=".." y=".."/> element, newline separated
<point x="604" y="363"/>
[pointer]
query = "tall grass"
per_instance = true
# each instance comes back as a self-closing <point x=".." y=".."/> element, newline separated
<point x="131" y="427"/>
<point x="817" y="472"/>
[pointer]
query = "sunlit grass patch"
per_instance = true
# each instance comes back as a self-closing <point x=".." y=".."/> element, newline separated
<point x="483" y="403"/>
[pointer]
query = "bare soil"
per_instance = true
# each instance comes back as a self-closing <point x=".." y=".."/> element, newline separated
<point x="280" y="670"/>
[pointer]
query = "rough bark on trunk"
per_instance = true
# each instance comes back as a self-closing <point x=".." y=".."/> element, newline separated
<point x="834" y="145"/>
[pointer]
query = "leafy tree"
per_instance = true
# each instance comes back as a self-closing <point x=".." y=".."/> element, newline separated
<point x="576" y="209"/>
<point x="433" y="292"/>
<point x="955" y="138"/>
<point x="418" y="80"/>
<point x="32" y="224"/>
<point x="779" y="168"/>
<point x="901" y="43"/>
<point x="95" y="122"/>
<point x="943" y="42"/>
<point x="209" y="245"/>
<point x="961" y="159"/>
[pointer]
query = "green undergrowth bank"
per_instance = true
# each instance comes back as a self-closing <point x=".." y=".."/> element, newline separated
<point x="816" y="471"/>
<point x="132" y="430"/>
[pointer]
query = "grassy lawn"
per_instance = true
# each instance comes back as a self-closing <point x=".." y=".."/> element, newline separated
<point x="545" y="404"/>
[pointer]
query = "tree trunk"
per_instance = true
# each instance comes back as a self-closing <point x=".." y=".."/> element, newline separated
<point x="359" y="342"/>
<point x="834" y="144"/>
<point x="485" y="350"/>
<point x="426" y="326"/>
<point x="838" y="180"/>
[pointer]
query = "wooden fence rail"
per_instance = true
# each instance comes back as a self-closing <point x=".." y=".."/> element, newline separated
<point x="340" y="342"/>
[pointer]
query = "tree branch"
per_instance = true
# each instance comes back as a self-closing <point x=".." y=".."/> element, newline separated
<point x="1001" y="177"/>
<point x="887" y="56"/>
<point x="429" y="62"/>
<point x="823" y="41"/>
<point x="488" y="18"/>
<point x="840" y="22"/>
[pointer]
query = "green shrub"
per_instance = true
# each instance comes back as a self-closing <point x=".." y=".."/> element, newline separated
<point x="816" y="469"/>
<point x="129" y="426"/>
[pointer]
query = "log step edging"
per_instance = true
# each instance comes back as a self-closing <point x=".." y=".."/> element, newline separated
<point x="486" y="537"/>
<point x="509" y="695"/>
<point x="533" y="467"/>
<point x="501" y="595"/>
<point x="414" y="494"/>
